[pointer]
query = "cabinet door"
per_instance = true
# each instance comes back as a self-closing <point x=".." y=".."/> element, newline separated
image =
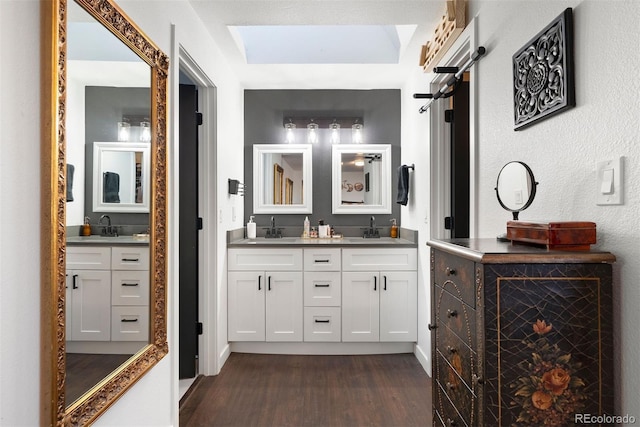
<point x="246" y="310"/>
<point x="284" y="306"/>
<point x="91" y="306"/>
<point x="68" y="308"/>
<point x="399" y="306"/>
<point x="360" y="306"/>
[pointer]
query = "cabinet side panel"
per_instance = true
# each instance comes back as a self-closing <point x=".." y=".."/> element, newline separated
<point x="548" y="343"/>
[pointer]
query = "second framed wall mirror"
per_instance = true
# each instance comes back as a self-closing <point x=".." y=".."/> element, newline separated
<point x="361" y="179"/>
<point x="92" y="45"/>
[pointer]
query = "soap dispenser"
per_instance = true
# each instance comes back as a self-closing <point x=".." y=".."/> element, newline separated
<point x="394" y="228"/>
<point x="251" y="228"/>
<point x="85" y="229"/>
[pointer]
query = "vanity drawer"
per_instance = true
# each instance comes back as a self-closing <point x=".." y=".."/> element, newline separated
<point x="456" y="275"/>
<point x="130" y="287"/>
<point x="129" y="258"/>
<point x="88" y="258"/>
<point x="456" y="315"/>
<point x="368" y="259"/>
<point x="322" y="289"/>
<point x="130" y="323"/>
<point x="322" y="324"/>
<point x="322" y="259"/>
<point x="265" y="259"/>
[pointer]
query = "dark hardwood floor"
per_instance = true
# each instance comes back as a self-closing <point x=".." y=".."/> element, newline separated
<point x="282" y="390"/>
<point x="86" y="370"/>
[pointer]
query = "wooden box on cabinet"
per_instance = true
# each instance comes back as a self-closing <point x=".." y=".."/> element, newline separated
<point x="520" y="334"/>
<point x="573" y="235"/>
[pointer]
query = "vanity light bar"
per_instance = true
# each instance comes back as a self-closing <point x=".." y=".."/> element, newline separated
<point x="301" y="122"/>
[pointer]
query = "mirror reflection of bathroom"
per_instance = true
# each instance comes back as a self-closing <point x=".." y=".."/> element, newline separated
<point x="283" y="181"/>
<point x="515" y="189"/>
<point x="107" y="311"/>
<point x="361" y="173"/>
<point x="106" y="87"/>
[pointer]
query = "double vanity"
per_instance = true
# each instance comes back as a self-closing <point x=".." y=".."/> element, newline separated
<point x="322" y="296"/>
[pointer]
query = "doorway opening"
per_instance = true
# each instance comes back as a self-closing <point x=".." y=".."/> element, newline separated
<point x="197" y="190"/>
<point x="453" y="150"/>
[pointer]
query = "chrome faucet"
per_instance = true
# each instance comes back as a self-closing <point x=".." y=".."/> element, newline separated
<point x="372" y="231"/>
<point x="108" y="230"/>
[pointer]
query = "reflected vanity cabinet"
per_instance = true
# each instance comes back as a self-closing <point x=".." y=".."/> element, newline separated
<point x="107" y="293"/>
<point x="520" y="334"/>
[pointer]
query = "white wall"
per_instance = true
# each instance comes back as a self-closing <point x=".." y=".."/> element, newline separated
<point x="20" y="216"/>
<point x="153" y="400"/>
<point x="562" y="150"/>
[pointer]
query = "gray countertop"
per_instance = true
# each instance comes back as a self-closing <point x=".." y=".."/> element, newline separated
<point x="344" y="242"/>
<point x="96" y="239"/>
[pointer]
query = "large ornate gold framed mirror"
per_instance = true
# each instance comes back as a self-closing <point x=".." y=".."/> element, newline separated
<point x="56" y="408"/>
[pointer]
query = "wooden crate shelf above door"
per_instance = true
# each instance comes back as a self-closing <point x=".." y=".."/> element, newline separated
<point x="449" y="28"/>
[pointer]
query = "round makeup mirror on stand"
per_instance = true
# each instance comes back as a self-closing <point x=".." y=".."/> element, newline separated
<point x="515" y="189"/>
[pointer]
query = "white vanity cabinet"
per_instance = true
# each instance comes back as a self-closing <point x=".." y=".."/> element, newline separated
<point x="107" y="293"/>
<point x="322" y="295"/>
<point x="379" y="295"/>
<point x="88" y="281"/>
<point x="265" y="295"/>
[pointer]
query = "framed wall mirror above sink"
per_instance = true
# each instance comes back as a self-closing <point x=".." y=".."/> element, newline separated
<point x="85" y="41"/>
<point x="282" y="179"/>
<point x="361" y="179"/>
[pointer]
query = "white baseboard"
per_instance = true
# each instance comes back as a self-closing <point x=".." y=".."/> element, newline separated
<point x="316" y="348"/>
<point x="224" y="355"/>
<point x="424" y="359"/>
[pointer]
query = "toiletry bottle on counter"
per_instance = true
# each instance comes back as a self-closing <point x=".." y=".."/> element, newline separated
<point x="394" y="228"/>
<point x="85" y="229"/>
<point x="323" y="229"/>
<point x="305" y="232"/>
<point x="251" y="228"/>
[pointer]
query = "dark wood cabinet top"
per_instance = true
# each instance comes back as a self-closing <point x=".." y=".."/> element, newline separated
<point x="493" y="251"/>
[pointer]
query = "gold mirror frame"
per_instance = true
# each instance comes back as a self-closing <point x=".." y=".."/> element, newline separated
<point x="92" y="404"/>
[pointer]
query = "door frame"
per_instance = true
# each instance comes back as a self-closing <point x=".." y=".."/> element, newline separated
<point x="207" y="185"/>
<point x="440" y="152"/>
<point x="207" y="206"/>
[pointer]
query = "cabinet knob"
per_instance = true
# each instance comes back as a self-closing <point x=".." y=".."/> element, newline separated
<point x="451" y="422"/>
<point x="431" y="327"/>
<point x="476" y="379"/>
<point x="450" y="271"/>
<point x="452" y="313"/>
<point x="450" y="386"/>
<point x="451" y="350"/>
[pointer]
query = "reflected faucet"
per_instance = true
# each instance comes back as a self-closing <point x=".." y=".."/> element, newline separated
<point x="372" y="231"/>
<point x="108" y="230"/>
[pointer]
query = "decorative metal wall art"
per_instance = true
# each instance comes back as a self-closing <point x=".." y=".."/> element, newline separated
<point x="543" y="82"/>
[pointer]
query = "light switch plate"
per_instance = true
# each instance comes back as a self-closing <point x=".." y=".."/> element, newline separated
<point x="610" y="182"/>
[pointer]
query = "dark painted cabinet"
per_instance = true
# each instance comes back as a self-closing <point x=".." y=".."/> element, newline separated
<point x="520" y="335"/>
